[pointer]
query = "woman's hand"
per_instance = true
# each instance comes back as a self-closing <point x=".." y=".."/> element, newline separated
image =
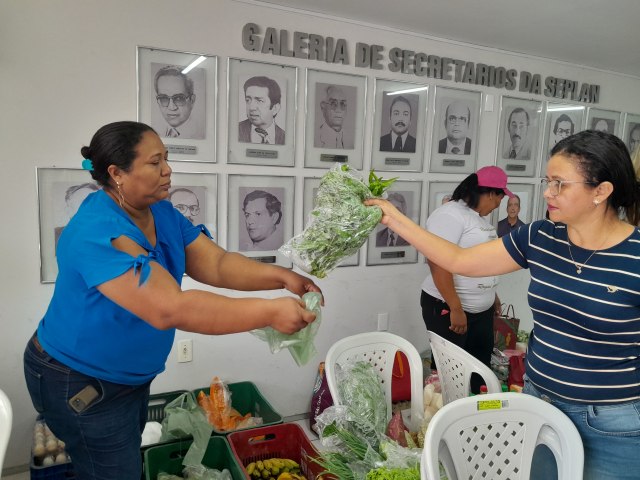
<point x="389" y="211"/>
<point x="300" y="285"/>
<point x="291" y="315"/>
<point x="458" y="322"/>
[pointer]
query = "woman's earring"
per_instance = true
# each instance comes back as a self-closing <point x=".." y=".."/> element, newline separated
<point x="596" y="202"/>
<point x="120" y="194"/>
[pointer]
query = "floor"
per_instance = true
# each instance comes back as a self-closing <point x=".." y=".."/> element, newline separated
<point x="304" y="423"/>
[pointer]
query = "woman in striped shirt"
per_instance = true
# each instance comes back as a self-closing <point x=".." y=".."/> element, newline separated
<point x="584" y="351"/>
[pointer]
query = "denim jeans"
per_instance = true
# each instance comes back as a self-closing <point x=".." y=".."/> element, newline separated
<point x="103" y="440"/>
<point x="610" y="436"/>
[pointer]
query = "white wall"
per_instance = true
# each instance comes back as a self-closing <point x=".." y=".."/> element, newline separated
<point x="68" y="67"/>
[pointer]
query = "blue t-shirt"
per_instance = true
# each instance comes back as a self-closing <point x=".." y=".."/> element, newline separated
<point x="585" y="346"/>
<point x="84" y="329"/>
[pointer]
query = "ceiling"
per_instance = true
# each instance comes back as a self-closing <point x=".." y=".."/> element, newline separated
<point x="603" y="34"/>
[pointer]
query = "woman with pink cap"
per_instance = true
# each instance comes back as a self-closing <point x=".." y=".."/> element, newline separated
<point x="457" y="307"/>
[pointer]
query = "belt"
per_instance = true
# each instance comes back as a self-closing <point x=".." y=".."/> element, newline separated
<point x="36" y="343"/>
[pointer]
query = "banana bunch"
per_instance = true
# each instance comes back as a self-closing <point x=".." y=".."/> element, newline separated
<point x="275" y="469"/>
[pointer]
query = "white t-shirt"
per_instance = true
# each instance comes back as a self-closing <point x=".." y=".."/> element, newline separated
<point x="463" y="226"/>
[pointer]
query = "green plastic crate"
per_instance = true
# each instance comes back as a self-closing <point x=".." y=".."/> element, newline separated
<point x="246" y="398"/>
<point x="168" y="458"/>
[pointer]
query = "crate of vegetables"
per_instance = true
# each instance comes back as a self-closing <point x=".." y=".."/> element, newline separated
<point x="235" y="406"/>
<point x="283" y="451"/>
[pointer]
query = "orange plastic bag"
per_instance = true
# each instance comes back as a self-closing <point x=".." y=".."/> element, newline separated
<point x="217" y="406"/>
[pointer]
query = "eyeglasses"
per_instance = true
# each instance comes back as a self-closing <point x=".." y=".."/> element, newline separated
<point x="555" y="186"/>
<point x="563" y="131"/>
<point x="178" y="100"/>
<point x="183" y="209"/>
<point x="334" y="104"/>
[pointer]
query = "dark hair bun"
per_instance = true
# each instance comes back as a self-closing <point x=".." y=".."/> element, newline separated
<point x="85" y="152"/>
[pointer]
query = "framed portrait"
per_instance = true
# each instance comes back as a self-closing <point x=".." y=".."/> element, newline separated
<point x="61" y="191"/>
<point x="398" y="126"/>
<point x="518" y="136"/>
<point x="177" y="96"/>
<point x="335" y="115"/>
<point x="604" y="120"/>
<point x="195" y="195"/>
<point x="260" y="216"/>
<point x="384" y="246"/>
<point x="456" y="121"/>
<point x="440" y="193"/>
<point x="541" y="211"/>
<point x="631" y="135"/>
<point x="310" y="194"/>
<point x="262" y="110"/>
<point x="516" y="211"/>
<point x="560" y="121"/>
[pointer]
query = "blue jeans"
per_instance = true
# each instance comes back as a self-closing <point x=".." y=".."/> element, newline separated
<point x="103" y="440"/>
<point x="610" y="436"/>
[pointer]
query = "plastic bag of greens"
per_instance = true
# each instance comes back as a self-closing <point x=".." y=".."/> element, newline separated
<point x="339" y="224"/>
<point x="184" y="417"/>
<point x="300" y="344"/>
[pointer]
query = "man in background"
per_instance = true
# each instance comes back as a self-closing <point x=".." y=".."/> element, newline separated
<point x="562" y="128"/>
<point x="73" y="198"/>
<point x="518" y="128"/>
<point x="175" y="97"/>
<point x="334" y="110"/>
<point x="511" y="221"/>
<point x="386" y="237"/>
<point x="262" y="98"/>
<point x="262" y="215"/>
<point x="601" y="125"/>
<point x="186" y="202"/>
<point x="634" y="139"/>
<point x="456" y="122"/>
<point x="399" y="139"/>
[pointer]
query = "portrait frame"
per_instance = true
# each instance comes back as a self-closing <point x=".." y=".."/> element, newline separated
<point x="595" y="116"/>
<point x="53" y="215"/>
<point x="382" y="156"/>
<point x="354" y="88"/>
<point x="528" y="203"/>
<point x="438" y="190"/>
<point x="283" y="188"/>
<point x="380" y="254"/>
<point x="199" y="141"/>
<point x="243" y="145"/>
<point x="541" y="211"/>
<point x="631" y="121"/>
<point x="205" y="186"/>
<point x="527" y="165"/>
<point x="555" y="112"/>
<point x="465" y="161"/>
<point x="310" y="186"/>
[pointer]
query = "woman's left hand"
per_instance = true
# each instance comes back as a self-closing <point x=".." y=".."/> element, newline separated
<point x="300" y="285"/>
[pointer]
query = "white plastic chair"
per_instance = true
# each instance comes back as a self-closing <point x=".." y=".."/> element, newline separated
<point x="379" y="349"/>
<point x="455" y="367"/>
<point x="6" y="419"/>
<point x="494" y="436"/>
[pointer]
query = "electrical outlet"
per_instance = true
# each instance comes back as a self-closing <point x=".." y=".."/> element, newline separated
<point x="185" y="351"/>
<point x="383" y="322"/>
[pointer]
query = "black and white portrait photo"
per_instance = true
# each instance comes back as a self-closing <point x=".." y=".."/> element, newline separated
<point x="561" y="124"/>
<point x="398" y="122"/>
<point x="633" y="137"/>
<point x="67" y="198"/>
<point x="456" y="120"/>
<point x="261" y="218"/>
<point x="386" y="237"/>
<point x="602" y="124"/>
<point x="262" y="110"/>
<point x="190" y="201"/>
<point x="335" y="116"/>
<point x="180" y="101"/>
<point x="520" y="137"/>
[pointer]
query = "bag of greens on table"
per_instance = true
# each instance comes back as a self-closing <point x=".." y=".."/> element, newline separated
<point x="339" y="224"/>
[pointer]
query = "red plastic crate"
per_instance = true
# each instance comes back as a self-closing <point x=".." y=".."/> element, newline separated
<point x="286" y="440"/>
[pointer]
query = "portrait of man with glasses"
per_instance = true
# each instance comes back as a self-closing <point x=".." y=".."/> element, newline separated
<point x="182" y="111"/>
<point x="336" y="125"/>
<point x="187" y="201"/>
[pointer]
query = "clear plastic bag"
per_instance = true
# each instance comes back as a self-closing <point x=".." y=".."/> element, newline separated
<point x="338" y="225"/>
<point x="300" y="344"/>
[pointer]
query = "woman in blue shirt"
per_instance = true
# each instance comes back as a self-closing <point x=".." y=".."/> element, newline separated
<point x="584" y="260"/>
<point x="117" y="302"/>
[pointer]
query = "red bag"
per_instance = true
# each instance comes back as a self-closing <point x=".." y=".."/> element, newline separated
<point x="505" y="328"/>
<point x="321" y="397"/>
<point x="400" y="379"/>
<point x="516" y="368"/>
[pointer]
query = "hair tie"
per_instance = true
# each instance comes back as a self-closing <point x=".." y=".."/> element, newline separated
<point x="87" y="164"/>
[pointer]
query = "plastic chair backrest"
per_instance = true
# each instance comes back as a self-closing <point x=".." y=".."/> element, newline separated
<point x="6" y="420"/>
<point x="455" y="367"/>
<point x="494" y="436"/>
<point x="379" y="349"/>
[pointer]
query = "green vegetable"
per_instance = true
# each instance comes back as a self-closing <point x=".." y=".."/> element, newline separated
<point x="384" y="473"/>
<point x="340" y="223"/>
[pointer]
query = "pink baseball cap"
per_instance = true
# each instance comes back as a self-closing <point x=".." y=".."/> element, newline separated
<point x="493" y="177"/>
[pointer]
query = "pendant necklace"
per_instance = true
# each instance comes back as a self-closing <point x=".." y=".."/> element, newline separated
<point x="580" y="265"/>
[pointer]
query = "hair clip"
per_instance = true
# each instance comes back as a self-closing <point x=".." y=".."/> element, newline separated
<point x="87" y="164"/>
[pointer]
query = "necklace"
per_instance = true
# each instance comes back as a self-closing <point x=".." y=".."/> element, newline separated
<point x="580" y="265"/>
